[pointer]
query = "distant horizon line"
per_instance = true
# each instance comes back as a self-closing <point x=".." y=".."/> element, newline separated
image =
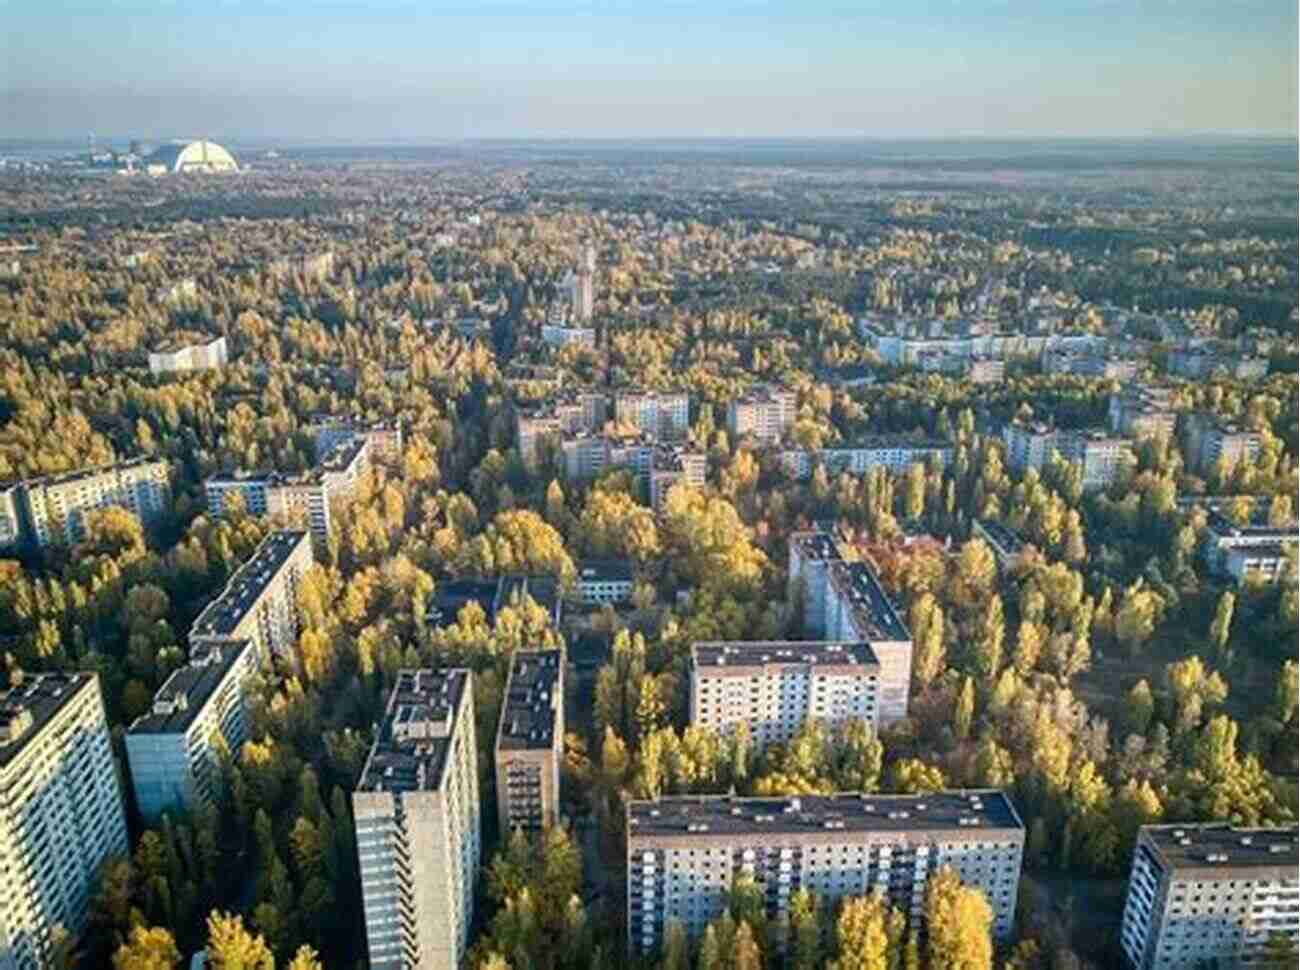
<point x="380" y="141"/>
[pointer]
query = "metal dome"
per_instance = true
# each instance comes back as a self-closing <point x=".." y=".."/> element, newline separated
<point x="194" y="156"/>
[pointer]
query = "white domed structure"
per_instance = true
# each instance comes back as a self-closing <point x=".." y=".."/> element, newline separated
<point x="196" y="156"/>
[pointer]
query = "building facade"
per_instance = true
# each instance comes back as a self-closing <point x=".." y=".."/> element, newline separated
<point x="180" y="357"/>
<point x="1209" y="895"/>
<point x="1143" y="413"/>
<point x="416" y="811"/>
<point x="530" y="742"/>
<point x="52" y="510"/>
<point x="683" y="853"/>
<point x="605" y="581"/>
<point x="61" y="811"/>
<point x="663" y="414"/>
<point x="774" y="686"/>
<point x="385" y="438"/>
<point x="260" y="601"/>
<point x="895" y="454"/>
<point x="171" y="747"/>
<point x="1256" y="551"/>
<point x="764" y="412"/>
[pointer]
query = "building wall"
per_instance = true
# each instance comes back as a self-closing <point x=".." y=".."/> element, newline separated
<point x="54" y="512"/>
<point x="61" y="817"/>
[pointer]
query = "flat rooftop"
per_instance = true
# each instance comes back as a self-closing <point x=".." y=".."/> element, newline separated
<point x="1008" y="542"/>
<point x="25" y="709"/>
<point x="890" y="441"/>
<point x="185" y="341"/>
<point x="1223" y="527"/>
<point x="492" y="594"/>
<point x="610" y="570"/>
<point x="410" y="749"/>
<point x="763" y="393"/>
<point x="759" y="653"/>
<point x="874" y="615"/>
<point x="80" y="474"/>
<point x="817" y="546"/>
<point x="181" y="697"/>
<point x="531" y="709"/>
<point x="342" y="455"/>
<point x="710" y="817"/>
<point x="220" y="617"/>
<point x="1221" y="847"/>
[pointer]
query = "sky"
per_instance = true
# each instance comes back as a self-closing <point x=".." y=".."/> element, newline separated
<point x="345" y="70"/>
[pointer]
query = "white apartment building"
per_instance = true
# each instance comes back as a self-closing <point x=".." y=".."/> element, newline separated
<point x="1209" y="440"/>
<point x="1029" y="445"/>
<point x="1199" y="364"/>
<point x="60" y="811"/>
<point x="183" y="355"/>
<point x="764" y="412"/>
<point x="53" y="510"/>
<point x="1102" y="458"/>
<point x="1006" y="544"/>
<point x="1256" y="551"/>
<point x="170" y="748"/>
<point x="260" y="601"/>
<point x="662" y="414"/>
<point x="530" y="742"/>
<point x="683" y="853"/>
<point x="578" y="413"/>
<point x="555" y="335"/>
<point x="604" y="581"/>
<point x="1089" y="365"/>
<point x="1142" y="412"/>
<point x="1209" y="895"/>
<point x="896" y="454"/>
<point x="385" y="438"/>
<point x="774" y="686"/>
<point x="670" y="466"/>
<point x="416" y="810"/>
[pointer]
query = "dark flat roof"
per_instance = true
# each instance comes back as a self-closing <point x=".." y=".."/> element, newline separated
<point x="875" y="615"/>
<point x="817" y="546"/>
<point x="605" y="569"/>
<point x="1190" y="847"/>
<point x="1008" y="541"/>
<point x="531" y="709"/>
<point x="875" y="442"/>
<point x="410" y="750"/>
<point x="1223" y="527"/>
<point x="757" y="653"/>
<point x="249" y="581"/>
<point x="182" y="696"/>
<point x="63" y="478"/>
<point x="36" y="702"/>
<point x="341" y="455"/>
<point x="806" y="814"/>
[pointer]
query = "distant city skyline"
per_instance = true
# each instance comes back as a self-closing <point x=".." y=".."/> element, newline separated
<point x="398" y="70"/>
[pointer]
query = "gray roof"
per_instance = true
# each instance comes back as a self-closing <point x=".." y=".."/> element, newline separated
<point x="532" y="705"/>
<point x="25" y="709"/>
<point x="710" y="817"/>
<point x="873" y="613"/>
<point x="1220" y="848"/>
<point x="220" y="617"/>
<point x="410" y="749"/>
<point x="758" y="653"/>
<point x="181" y="698"/>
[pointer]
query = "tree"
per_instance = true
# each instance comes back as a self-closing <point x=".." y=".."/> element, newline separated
<point x="306" y="959"/>
<point x="745" y="954"/>
<point x="927" y="628"/>
<point x="709" y="956"/>
<point x="986" y="657"/>
<point x="148" y="948"/>
<point x="861" y="934"/>
<point x="1288" y="692"/>
<point x="911" y="776"/>
<point x="1221" y="627"/>
<point x="232" y="947"/>
<point x="959" y="923"/>
<point x="1138" y="707"/>
<point x="805" y="932"/>
<point x="964" y="713"/>
<point x="676" y="949"/>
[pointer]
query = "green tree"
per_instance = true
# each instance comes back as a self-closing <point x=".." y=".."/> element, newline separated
<point x="1221" y="627"/>
<point x="232" y="947"/>
<point x="745" y="953"/>
<point x="148" y="948"/>
<point x="964" y="712"/>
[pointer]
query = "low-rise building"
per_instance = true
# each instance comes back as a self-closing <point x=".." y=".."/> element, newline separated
<point x="1005" y="544"/>
<point x="773" y="687"/>
<point x="530" y="742"/>
<point x="1256" y="551"/>
<point x="416" y="812"/>
<point x="683" y="853"/>
<point x="1210" y="895"/>
<point x="605" y="581"/>
<point x="492" y="596"/>
<point x="555" y="335"/>
<point x="183" y="354"/>
<point x="171" y="748"/>
<point x="1203" y="363"/>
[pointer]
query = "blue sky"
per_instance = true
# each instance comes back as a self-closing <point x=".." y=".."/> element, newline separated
<point x="400" y="69"/>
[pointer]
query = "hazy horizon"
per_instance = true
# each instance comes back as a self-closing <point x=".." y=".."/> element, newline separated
<point x="395" y="71"/>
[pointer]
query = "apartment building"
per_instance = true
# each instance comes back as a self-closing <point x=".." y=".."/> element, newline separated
<point x="1089" y="365"/>
<point x="764" y="412"/>
<point x="662" y="414"/>
<point x="492" y="596"/>
<point x="774" y="686"/>
<point x="385" y="437"/>
<point x="672" y="465"/>
<point x="171" y="747"/>
<point x="1209" y="895"/>
<point x="1203" y="363"/>
<point x="1143" y="412"/>
<point x="260" y="601"/>
<point x="416" y="812"/>
<point x="1207" y="440"/>
<point x="858" y="610"/>
<point x="811" y="554"/>
<point x="1006" y="544"/>
<point x="683" y="853"/>
<point x="605" y="581"/>
<point x="1029" y="445"/>
<point x="60" y="811"/>
<point x="312" y="266"/>
<point x="305" y="499"/>
<point x="986" y="370"/>
<point x="893" y="452"/>
<point x="1102" y="458"/>
<point x="556" y="335"/>
<point x="1253" y="552"/>
<point x="584" y="411"/>
<point x="185" y="354"/>
<point x="52" y="510"/>
<point x="530" y="742"/>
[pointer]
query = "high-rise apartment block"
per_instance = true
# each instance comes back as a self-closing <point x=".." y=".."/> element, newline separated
<point x="530" y="741"/>
<point x="1098" y="365"/>
<point x="185" y="354"/>
<point x="764" y="412"/>
<point x="895" y="453"/>
<point x="416" y="810"/>
<point x="774" y="686"/>
<point x="385" y="438"/>
<point x="61" y="813"/>
<point x="1210" y="895"/>
<point x="1199" y="364"/>
<point x="674" y="465"/>
<point x="683" y="853"/>
<point x="1143" y="412"/>
<point x="304" y="499"/>
<point x="260" y="601"/>
<point x="171" y="747"/>
<point x="573" y="414"/>
<point x="662" y="414"/>
<point x="1102" y="458"/>
<point x="1209" y="440"/>
<point x="52" y="510"/>
<point x="844" y="602"/>
<point x="581" y="284"/>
